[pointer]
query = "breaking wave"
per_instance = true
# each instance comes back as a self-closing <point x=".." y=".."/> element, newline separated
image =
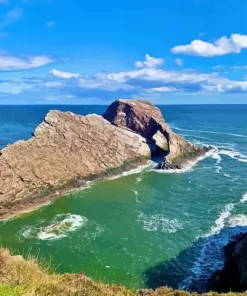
<point x="140" y="169"/>
<point x="59" y="228"/>
<point x="190" y="164"/>
<point x="211" y="254"/>
<point x="234" y="155"/>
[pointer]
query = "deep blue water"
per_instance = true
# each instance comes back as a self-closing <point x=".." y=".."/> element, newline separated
<point x="150" y="228"/>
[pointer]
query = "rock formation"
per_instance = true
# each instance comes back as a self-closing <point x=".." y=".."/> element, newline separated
<point x="65" y="152"/>
<point x="233" y="277"/>
<point x="145" y="119"/>
<point x="68" y="150"/>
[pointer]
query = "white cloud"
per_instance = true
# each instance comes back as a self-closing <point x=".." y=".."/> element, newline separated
<point x="149" y="62"/>
<point x="11" y="17"/>
<point x="137" y="82"/>
<point x="220" y="47"/>
<point x="13" y="88"/>
<point x="189" y="81"/>
<point x="179" y="62"/>
<point x="64" y="75"/>
<point x="8" y="63"/>
<point x="50" y="24"/>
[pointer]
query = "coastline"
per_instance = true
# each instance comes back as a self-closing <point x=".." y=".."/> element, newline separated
<point x="78" y="186"/>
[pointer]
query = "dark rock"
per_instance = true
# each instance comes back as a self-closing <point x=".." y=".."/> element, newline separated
<point x="233" y="277"/>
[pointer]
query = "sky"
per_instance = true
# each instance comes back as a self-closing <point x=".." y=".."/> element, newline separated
<point x="96" y="51"/>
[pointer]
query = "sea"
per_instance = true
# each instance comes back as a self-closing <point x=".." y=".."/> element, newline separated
<point x="144" y="228"/>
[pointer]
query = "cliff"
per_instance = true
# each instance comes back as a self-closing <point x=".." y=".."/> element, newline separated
<point x="233" y="277"/>
<point x="19" y="277"/>
<point x="68" y="150"/>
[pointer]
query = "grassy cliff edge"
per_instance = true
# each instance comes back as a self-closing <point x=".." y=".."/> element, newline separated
<point x="19" y="277"/>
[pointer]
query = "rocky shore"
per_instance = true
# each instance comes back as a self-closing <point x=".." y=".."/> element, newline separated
<point x="67" y="150"/>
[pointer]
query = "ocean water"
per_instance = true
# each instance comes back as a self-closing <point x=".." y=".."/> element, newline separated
<point x="145" y="228"/>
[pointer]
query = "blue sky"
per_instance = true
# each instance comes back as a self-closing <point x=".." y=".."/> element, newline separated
<point x="95" y="51"/>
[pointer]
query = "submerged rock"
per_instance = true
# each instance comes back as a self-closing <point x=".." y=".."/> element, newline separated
<point x="145" y="119"/>
<point x="68" y="150"/>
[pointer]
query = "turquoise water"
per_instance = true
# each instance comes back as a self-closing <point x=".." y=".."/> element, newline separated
<point x="145" y="228"/>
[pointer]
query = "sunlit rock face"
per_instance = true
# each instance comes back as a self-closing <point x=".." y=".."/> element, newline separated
<point x="146" y="119"/>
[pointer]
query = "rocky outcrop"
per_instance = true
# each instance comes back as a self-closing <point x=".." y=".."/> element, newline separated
<point x="68" y="150"/>
<point x="233" y="277"/>
<point x="145" y="119"/>
<point x="65" y="152"/>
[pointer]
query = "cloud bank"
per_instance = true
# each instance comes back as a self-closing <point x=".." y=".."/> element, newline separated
<point x="219" y="47"/>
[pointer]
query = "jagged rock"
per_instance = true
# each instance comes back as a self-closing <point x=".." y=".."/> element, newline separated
<point x="65" y="152"/>
<point x="145" y="119"/>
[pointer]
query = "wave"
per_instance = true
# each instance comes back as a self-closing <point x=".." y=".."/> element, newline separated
<point x="244" y="198"/>
<point x="227" y="175"/>
<point x="220" y="222"/>
<point x="194" y="136"/>
<point x="234" y="155"/>
<point x="208" y="132"/>
<point x="61" y="225"/>
<point x="190" y="164"/>
<point x="140" y="169"/>
<point x="159" y="223"/>
<point x="211" y="253"/>
<point x="238" y="220"/>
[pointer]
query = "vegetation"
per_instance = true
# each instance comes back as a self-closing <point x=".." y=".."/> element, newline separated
<point x="19" y="277"/>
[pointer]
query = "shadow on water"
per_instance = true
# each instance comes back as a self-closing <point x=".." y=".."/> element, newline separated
<point x="192" y="268"/>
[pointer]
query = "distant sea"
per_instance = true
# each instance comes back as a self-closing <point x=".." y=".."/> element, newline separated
<point x="145" y="228"/>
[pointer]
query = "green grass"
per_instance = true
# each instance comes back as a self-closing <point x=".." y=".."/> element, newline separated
<point x="8" y="290"/>
<point x="19" y="277"/>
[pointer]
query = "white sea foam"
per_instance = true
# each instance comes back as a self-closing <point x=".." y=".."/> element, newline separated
<point x="238" y="220"/>
<point x="220" y="222"/>
<point x="211" y="254"/>
<point x="195" y="136"/>
<point x="159" y="223"/>
<point x="138" y="179"/>
<point x="207" y="261"/>
<point x="244" y="198"/>
<point x="227" y="175"/>
<point x="142" y="168"/>
<point x="61" y="226"/>
<point x="189" y="164"/>
<point x="209" y="132"/>
<point x="234" y="155"/>
<point x="216" y="156"/>
<point x="136" y="196"/>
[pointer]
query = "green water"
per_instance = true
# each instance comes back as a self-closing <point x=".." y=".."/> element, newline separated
<point x="115" y="230"/>
<point x="150" y="228"/>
